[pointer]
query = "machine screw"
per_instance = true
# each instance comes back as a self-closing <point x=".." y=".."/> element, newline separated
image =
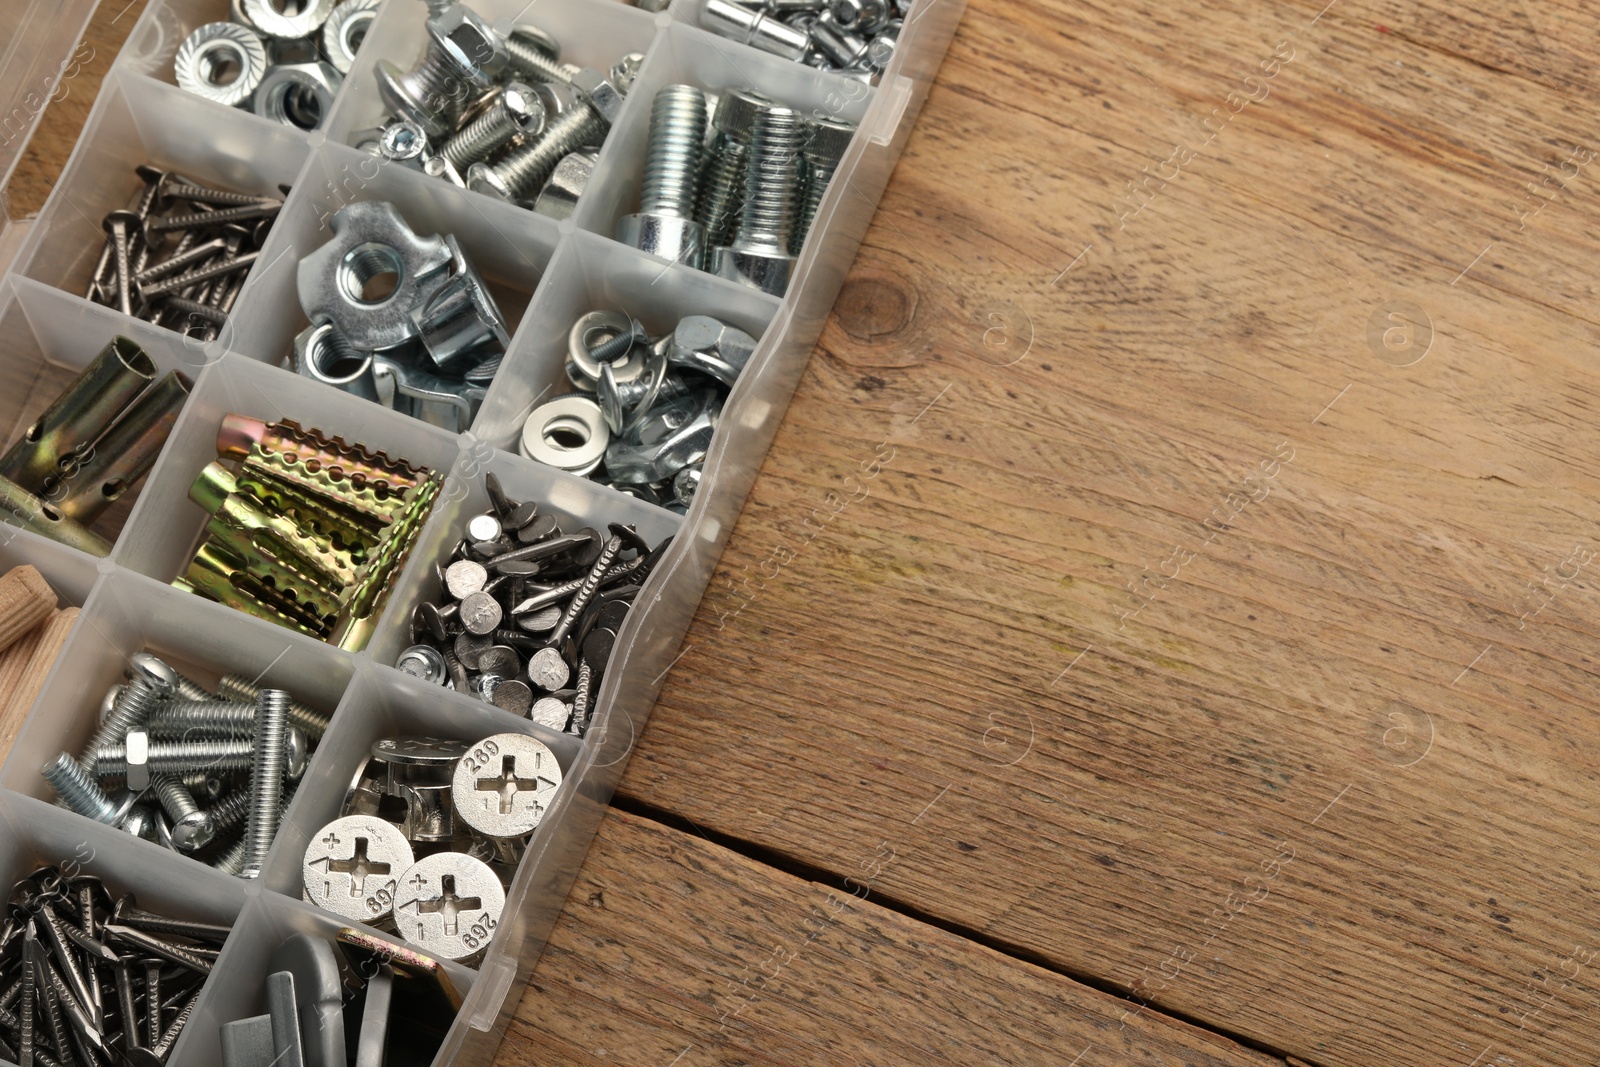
<point x="515" y="110"/>
<point x="310" y="722"/>
<point x="531" y="58"/>
<point x="524" y="171"/>
<point x="759" y="255"/>
<point x="191" y="828"/>
<point x="665" y="225"/>
<point x="266" y="779"/>
<point x="178" y="757"/>
<point x="82" y="793"/>
<point x="185" y="719"/>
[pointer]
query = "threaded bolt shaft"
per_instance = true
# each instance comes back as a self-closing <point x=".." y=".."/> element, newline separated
<point x="177" y="757"/>
<point x="618" y="346"/>
<point x="483" y="135"/>
<point x="231" y="859"/>
<point x="766" y="220"/>
<point x="236" y="687"/>
<point x="818" y="175"/>
<point x="191" y="827"/>
<point x="175" y="799"/>
<point x="722" y="189"/>
<point x="130" y="711"/>
<point x="179" y="719"/>
<point x="266" y="778"/>
<point x="672" y="160"/>
<point x="532" y="63"/>
<point x="231" y="811"/>
<point x="524" y="172"/>
<point x="77" y="790"/>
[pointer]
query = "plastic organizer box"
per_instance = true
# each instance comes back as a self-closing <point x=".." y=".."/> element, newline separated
<point x="544" y="273"/>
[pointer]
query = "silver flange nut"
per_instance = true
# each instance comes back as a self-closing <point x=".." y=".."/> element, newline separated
<point x="470" y="41"/>
<point x="559" y="198"/>
<point x="351" y="865"/>
<point x="298" y="94"/>
<point x="371" y="242"/>
<point x="213" y="51"/>
<point x="318" y="357"/>
<point x="591" y="330"/>
<point x="710" y="346"/>
<point x="568" y="433"/>
<point x="423" y="662"/>
<point x="448" y="905"/>
<point x="344" y="31"/>
<point x="270" y="19"/>
<point x="504" y="785"/>
<point x="601" y="93"/>
<point x="669" y="438"/>
<point x="668" y="236"/>
<point x="768" y="271"/>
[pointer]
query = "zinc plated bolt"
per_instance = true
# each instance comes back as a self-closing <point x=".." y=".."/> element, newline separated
<point x="178" y="757"/>
<point x="191" y="827"/>
<point x="754" y="28"/>
<point x="524" y="171"/>
<point x="722" y="182"/>
<point x="83" y="794"/>
<point x="231" y="811"/>
<point x="516" y="109"/>
<point x="266" y="779"/>
<point x="759" y="255"/>
<point x="236" y="687"/>
<point x="463" y="52"/>
<point x="179" y="719"/>
<point x="665" y="223"/>
<point x="531" y="58"/>
<point x="823" y="151"/>
<point x="128" y="712"/>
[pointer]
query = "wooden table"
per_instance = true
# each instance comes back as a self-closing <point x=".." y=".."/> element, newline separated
<point x="1158" y="633"/>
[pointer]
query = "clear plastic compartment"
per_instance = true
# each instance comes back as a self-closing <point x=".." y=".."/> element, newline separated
<point x="546" y="274"/>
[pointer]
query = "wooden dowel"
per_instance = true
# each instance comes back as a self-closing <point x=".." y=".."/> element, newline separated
<point x="26" y="600"/>
<point x="53" y="634"/>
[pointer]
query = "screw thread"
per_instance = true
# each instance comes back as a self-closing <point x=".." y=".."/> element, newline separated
<point x="266" y="778"/>
<point x="722" y="191"/>
<point x="818" y="175"/>
<point x="198" y="719"/>
<point x="526" y="170"/>
<point x="529" y="61"/>
<point x="262" y="209"/>
<point x="231" y="859"/>
<point x="208" y="196"/>
<point x="435" y="83"/>
<point x="766" y="220"/>
<point x="189" y="689"/>
<point x="231" y="811"/>
<point x="672" y="160"/>
<point x="76" y="789"/>
<point x="130" y="711"/>
<point x="175" y="799"/>
<point x="177" y="757"/>
<point x="311" y="723"/>
<point x="482" y="136"/>
<point x="617" y="346"/>
<point x="585" y="593"/>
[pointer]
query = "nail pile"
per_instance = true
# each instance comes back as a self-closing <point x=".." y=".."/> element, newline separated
<point x="95" y="980"/>
<point x="430" y="834"/>
<point x="165" y="743"/>
<point x="530" y="613"/>
<point x="191" y="284"/>
<point x="310" y="531"/>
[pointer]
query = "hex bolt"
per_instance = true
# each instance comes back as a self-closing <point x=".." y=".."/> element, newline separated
<point x="191" y="828"/>
<point x="722" y="182"/>
<point x="177" y="757"/>
<point x="266" y="778"/>
<point x="433" y="92"/>
<point x="524" y="171"/>
<point x="516" y="109"/>
<point x="823" y="151"/>
<point x="80" y="792"/>
<point x="759" y="255"/>
<point x="665" y="224"/>
<point x="310" y="722"/>
<point x="129" y="712"/>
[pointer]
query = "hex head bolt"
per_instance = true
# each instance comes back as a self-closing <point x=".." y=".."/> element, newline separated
<point x="822" y="153"/>
<point x="191" y="828"/>
<point x="665" y="223"/>
<point x="524" y="171"/>
<point x="266" y="777"/>
<point x="759" y="255"/>
<point x="176" y="757"/>
<point x="129" y="712"/>
<point x="433" y="93"/>
<point x="514" y="110"/>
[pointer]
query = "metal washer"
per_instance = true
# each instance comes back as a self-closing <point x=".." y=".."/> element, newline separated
<point x="573" y="414"/>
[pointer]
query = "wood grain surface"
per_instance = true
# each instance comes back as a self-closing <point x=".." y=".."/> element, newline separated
<point x="1168" y="595"/>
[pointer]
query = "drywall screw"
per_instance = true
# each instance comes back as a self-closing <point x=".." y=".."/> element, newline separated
<point x="261" y="209"/>
<point x="197" y="253"/>
<point x="266" y="778"/>
<point x="80" y="792"/>
<point x="580" y="599"/>
<point x="311" y="723"/>
<point x="524" y="171"/>
<point x="580" y="700"/>
<point x="514" y="110"/>
<point x="29" y="998"/>
<point x="665" y="223"/>
<point x="178" y="757"/>
<point x="129" y="712"/>
<point x="210" y="718"/>
<point x="823" y="151"/>
<point x="191" y="827"/>
<point x="184" y="191"/>
<point x="121" y="226"/>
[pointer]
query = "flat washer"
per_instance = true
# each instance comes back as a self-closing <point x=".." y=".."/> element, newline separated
<point x="572" y="416"/>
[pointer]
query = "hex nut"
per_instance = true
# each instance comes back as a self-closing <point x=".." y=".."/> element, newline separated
<point x="599" y="91"/>
<point x="559" y="198"/>
<point x="298" y="94"/>
<point x="212" y="50"/>
<point x="137" y="749"/>
<point x="469" y="40"/>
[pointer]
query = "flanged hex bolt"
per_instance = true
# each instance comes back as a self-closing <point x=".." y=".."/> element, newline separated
<point x="464" y="54"/>
<point x="665" y="225"/>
